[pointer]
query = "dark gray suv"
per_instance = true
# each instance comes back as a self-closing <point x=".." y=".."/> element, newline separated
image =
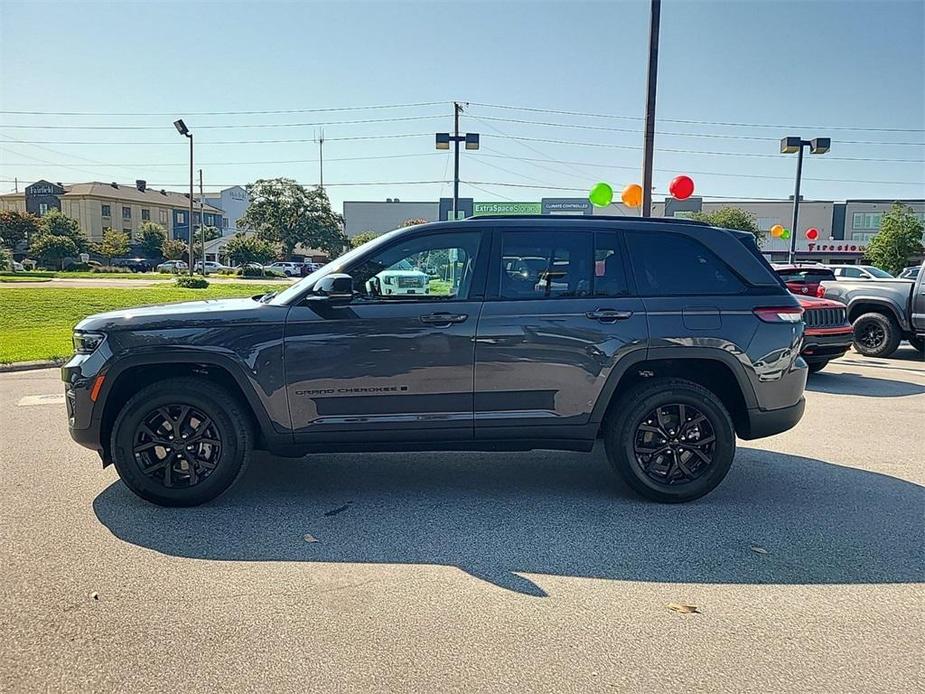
<point x="665" y="338"/>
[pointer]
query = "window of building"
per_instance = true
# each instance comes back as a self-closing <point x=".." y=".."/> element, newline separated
<point x="145" y="215"/>
<point x="866" y="220"/>
<point x="43" y="208"/>
<point x="126" y="213"/>
<point x="127" y="231"/>
<point x="863" y="236"/>
<point x="162" y="216"/>
<point x="543" y="264"/>
<point x="224" y="222"/>
<point x="668" y="264"/>
<point x="107" y="211"/>
<point x="427" y="267"/>
<point x="181" y="218"/>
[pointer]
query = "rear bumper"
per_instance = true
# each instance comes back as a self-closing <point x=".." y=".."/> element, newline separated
<point x="761" y="423"/>
<point x="823" y="345"/>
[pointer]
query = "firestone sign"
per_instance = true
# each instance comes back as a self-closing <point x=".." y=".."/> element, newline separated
<point x="835" y="248"/>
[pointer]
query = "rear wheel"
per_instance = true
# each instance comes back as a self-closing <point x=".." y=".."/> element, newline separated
<point x="671" y="440"/>
<point x="817" y="366"/>
<point x="181" y="442"/>
<point x="876" y="335"/>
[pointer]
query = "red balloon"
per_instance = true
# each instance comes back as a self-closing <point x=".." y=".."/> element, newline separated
<point x="681" y="187"/>
<point x="812" y="233"/>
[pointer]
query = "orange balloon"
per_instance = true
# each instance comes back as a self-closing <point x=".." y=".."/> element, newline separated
<point x="632" y="195"/>
<point x="777" y="231"/>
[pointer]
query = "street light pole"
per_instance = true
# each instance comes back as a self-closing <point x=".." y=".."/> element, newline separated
<point x="791" y="145"/>
<point x="651" y="85"/>
<point x="443" y="142"/>
<point x="202" y="224"/>
<point x="183" y="130"/>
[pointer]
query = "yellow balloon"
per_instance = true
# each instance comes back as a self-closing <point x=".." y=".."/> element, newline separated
<point x="632" y="195"/>
<point x="777" y="231"/>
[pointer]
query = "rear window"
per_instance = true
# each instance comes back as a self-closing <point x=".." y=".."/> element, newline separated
<point x="806" y="275"/>
<point x="674" y="265"/>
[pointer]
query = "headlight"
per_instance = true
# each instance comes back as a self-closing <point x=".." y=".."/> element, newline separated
<point x="87" y="343"/>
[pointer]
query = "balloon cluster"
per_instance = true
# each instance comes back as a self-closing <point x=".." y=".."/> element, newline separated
<point x="601" y="195"/>
<point x="778" y="232"/>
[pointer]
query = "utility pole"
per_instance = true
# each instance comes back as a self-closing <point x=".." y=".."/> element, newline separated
<point x="443" y="142"/>
<point x="320" y="141"/>
<point x="15" y="184"/>
<point x="202" y="224"/>
<point x="651" y="85"/>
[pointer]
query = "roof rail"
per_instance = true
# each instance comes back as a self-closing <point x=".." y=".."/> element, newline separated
<point x="585" y="218"/>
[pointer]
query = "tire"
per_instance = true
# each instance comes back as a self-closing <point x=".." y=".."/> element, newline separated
<point x="229" y="440"/>
<point x="917" y="343"/>
<point x="817" y="366"/>
<point x="632" y="410"/>
<point x="876" y="335"/>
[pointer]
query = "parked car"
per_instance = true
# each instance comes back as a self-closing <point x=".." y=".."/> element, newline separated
<point x="827" y="335"/>
<point x="134" y="264"/>
<point x="173" y="266"/>
<point x="18" y="267"/>
<point x="308" y="268"/>
<point x="289" y="269"/>
<point x="859" y="272"/>
<point x="804" y="279"/>
<point x="909" y="273"/>
<point x="883" y="312"/>
<point x="211" y="266"/>
<point x="401" y="279"/>
<point x="667" y="338"/>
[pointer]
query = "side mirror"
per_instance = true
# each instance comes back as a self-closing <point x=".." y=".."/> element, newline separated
<point x="334" y="287"/>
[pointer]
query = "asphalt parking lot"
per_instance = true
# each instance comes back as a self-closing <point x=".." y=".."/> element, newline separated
<point x="472" y="572"/>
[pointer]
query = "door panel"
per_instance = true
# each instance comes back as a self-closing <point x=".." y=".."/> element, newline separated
<point x="378" y="368"/>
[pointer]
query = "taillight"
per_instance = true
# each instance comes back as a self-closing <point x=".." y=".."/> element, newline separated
<point x="782" y="314"/>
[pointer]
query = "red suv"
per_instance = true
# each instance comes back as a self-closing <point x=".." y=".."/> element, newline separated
<point x="828" y="334"/>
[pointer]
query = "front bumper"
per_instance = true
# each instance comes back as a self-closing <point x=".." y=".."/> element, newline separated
<point x="821" y="345"/>
<point x="80" y="374"/>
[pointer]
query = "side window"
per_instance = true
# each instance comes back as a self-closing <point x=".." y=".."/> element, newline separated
<point x="545" y="264"/>
<point x="850" y="272"/>
<point x="667" y="264"/>
<point x="438" y="266"/>
<point x="609" y="271"/>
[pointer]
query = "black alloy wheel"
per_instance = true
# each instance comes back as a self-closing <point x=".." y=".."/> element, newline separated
<point x="674" y="444"/>
<point x="177" y="445"/>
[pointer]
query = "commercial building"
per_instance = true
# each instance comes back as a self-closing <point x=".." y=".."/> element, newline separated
<point x="233" y="203"/>
<point x="99" y="206"/>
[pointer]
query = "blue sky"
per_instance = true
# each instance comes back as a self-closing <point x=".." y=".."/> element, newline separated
<point x="839" y="69"/>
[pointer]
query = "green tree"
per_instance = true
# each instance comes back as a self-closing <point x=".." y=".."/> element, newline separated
<point x="153" y="236"/>
<point x="52" y="248"/>
<point x="414" y="221"/>
<point x="175" y="249"/>
<point x="16" y="226"/>
<point x="732" y="218"/>
<point x="114" y="243"/>
<point x="54" y="223"/>
<point x="6" y="259"/>
<point x="899" y="238"/>
<point x="249" y="249"/>
<point x="363" y="237"/>
<point x="281" y="211"/>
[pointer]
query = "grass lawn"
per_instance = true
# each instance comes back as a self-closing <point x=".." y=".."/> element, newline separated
<point x="36" y="322"/>
<point x="20" y="276"/>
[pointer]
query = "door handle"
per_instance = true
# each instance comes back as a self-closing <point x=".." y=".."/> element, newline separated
<point x="608" y="315"/>
<point x="443" y="318"/>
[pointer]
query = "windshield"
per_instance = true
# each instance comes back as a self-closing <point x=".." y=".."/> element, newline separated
<point x="877" y="272"/>
<point x="292" y="292"/>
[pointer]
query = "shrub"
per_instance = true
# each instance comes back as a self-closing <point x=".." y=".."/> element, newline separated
<point x="104" y="269"/>
<point x="76" y="267"/>
<point x="188" y="282"/>
<point x="252" y="271"/>
<point x="226" y="271"/>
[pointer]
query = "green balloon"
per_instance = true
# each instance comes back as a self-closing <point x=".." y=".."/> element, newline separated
<point x="601" y="195"/>
<point x="785" y="234"/>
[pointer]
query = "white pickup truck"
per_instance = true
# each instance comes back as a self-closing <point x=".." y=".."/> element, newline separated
<point x="883" y="312"/>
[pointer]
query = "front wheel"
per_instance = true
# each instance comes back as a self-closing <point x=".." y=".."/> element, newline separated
<point x="181" y="442"/>
<point x="671" y="440"/>
<point x="876" y="335"/>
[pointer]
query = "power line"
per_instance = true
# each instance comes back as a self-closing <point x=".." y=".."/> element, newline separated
<point x="227" y="113"/>
<point x="361" y="121"/>
<point x="249" y="163"/>
<point x="224" y="142"/>
<point x="699" y="122"/>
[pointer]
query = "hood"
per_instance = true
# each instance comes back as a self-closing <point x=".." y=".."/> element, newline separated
<point x="182" y="315"/>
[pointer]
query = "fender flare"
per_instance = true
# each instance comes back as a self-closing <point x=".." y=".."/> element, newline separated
<point x="891" y="309"/>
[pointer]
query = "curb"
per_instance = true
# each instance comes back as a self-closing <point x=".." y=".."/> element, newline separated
<point x="31" y="365"/>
